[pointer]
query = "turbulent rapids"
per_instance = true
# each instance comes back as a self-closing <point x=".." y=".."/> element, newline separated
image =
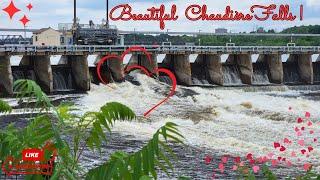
<point x="226" y="121"/>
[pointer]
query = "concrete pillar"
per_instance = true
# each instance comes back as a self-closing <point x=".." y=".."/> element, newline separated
<point x="80" y="72"/>
<point x="244" y="63"/>
<point x="305" y="67"/>
<point x="142" y="60"/>
<point x="116" y="68"/>
<point x="275" y="68"/>
<point x="180" y="65"/>
<point x="43" y="71"/>
<point x="212" y="67"/>
<point x="6" y="78"/>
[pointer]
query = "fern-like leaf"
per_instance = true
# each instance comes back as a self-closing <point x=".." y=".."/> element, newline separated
<point x="32" y="91"/>
<point x="5" y="107"/>
<point x="142" y="164"/>
<point x="105" y="119"/>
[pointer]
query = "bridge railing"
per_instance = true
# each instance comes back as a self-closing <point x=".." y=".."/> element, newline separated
<point x="159" y="49"/>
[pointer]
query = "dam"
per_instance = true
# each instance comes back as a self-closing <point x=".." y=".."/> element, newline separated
<point x="72" y="72"/>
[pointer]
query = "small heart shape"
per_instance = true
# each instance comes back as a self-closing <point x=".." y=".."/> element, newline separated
<point x="296" y="129"/>
<point x="301" y="142"/>
<point x="310" y="123"/>
<point x="274" y="162"/>
<point x="310" y="148"/>
<point x="293" y="154"/>
<point x="315" y="140"/>
<point x="289" y="163"/>
<point x="221" y="167"/>
<point x="279" y="158"/>
<point x="224" y="159"/>
<point x="300" y="120"/>
<point x="303" y="151"/>
<point x="307" y="166"/>
<point x="249" y="156"/>
<point x="234" y="168"/>
<point x="311" y="132"/>
<point x="131" y="67"/>
<point x="287" y="141"/>
<point x="237" y="159"/>
<point x="256" y="169"/>
<point x="276" y="145"/>
<point x="308" y="115"/>
<point x="270" y="155"/>
<point x="282" y="149"/>
<point x="299" y="133"/>
<point x="302" y="128"/>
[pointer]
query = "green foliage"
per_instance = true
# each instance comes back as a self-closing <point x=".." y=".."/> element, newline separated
<point x="86" y="131"/>
<point x="142" y="164"/>
<point x="5" y="107"/>
<point x="32" y="91"/>
<point x="268" y="174"/>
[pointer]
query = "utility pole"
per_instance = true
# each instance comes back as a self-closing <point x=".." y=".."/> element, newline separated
<point x="107" y="9"/>
<point x="75" y="26"/>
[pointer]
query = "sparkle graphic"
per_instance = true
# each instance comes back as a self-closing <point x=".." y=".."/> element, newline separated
<point x="24" y="20"/>
<point x="29" y="6"/>
<point x="11" y="10"/>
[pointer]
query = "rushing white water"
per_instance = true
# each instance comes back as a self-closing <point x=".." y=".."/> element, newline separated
<point x="231" y="121"/>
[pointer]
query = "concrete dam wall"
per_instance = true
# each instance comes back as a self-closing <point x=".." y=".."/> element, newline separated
<point x="72" y="72"/>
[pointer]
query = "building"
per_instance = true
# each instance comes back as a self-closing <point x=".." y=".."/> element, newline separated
<point x="221" y="31"/>
<point x="261" y="30"/>
<point x="46" y="37"/>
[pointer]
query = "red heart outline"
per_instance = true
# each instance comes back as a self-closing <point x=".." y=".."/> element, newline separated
<point x="144" y="69"/>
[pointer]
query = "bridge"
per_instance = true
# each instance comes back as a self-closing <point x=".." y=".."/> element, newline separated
<point x="161" y="49"/>
<point x="73" y="71"/>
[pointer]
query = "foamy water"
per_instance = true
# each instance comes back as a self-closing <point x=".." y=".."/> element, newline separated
<point x="222" y="120"/>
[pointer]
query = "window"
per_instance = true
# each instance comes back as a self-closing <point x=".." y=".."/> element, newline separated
<point x="36" y="38"/>
<point x="62" y="40"/>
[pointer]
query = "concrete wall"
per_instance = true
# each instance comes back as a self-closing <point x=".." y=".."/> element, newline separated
<point x="6" y="80"/>
<point x="179" y="64"/>
<point x="142" y="60"/>
<point x="80" y="72"/>
<point x="305" y="68"/>
<point x="274" y="65"/>
<point x="244" y="63"/>
<point x="211" y="66"/>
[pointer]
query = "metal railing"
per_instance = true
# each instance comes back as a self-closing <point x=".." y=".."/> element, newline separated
<point x="160" y="49"/>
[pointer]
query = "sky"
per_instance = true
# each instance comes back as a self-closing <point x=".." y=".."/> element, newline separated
<point x="49" y="13"/>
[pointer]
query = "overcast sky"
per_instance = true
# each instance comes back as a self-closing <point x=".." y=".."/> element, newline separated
<point x="51" y="12"/>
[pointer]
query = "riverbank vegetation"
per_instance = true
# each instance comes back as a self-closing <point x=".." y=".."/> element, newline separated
<point x="211" y="40"/>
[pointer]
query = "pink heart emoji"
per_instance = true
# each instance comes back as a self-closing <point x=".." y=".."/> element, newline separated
<point x="301" y="142"/>
<point x="293" y="154"/>
<point x="300" y="120"/>
<point x="249" y="156"/>
<point x="315" y="140"/>
<point x="289" y="163"/>
<point x="237" y="159"/>
<point x="299" y="133"/>
<point x="303" y="151"/>
<point x="279" y="158"/>
<point x="234" y="167"/>
<point x="307" y="166"/>
<point x="274" y="162"/>
<point x="308" y="115"/>
<point x="241" y="164"/>
<point x="287" y="141"/>
<point x="310" y="123"/>
<point x="252" y="162"/>
<point x="282" y="148"/>
<point x="221" y="167"/>
<point x="224" y="159"/>
<point x="208" y="159"/>
<point x="311" y="132"/>
<point x="297" y="129"/>
<point x="302" y="128"/>
<point x="310" y="148"/>
<point x="256" y="169"/>
<point x="276" y="145"/>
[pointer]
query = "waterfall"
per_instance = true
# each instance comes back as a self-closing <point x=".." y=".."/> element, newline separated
<point x="231" y="75"/>
<point x="62" y="79"/>
<point x="316" y="72"/>
<point x="260" y="74"/>
<point x="291" y="73"/>
<point x="23" y="74"/>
